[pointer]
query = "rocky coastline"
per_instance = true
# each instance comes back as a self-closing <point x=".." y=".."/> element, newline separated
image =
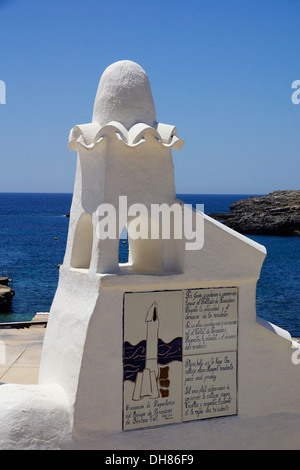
<point x="277" y="213"/>
<point x="6" y="294"/>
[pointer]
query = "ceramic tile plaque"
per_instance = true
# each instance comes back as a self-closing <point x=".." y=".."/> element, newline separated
<point x="210" y="320"/>
<point x="179" y="355"/>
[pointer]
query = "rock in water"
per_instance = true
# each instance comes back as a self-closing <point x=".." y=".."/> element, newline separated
<point x="278" y="213"/>
<point x="6" y="295"/>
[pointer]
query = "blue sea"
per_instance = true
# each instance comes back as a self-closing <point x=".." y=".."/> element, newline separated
<point x="33" y="234"/>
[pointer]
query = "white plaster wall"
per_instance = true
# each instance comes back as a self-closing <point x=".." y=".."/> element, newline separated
<point x="145" y="174"/>
<point x="225" y="254"/>
<point x="268" y="385"/>
<point x="66" y="335"/>
<point x="35" y="417"/>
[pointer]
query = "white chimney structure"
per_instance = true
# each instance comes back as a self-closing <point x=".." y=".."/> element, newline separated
<point x="237" y="367"/>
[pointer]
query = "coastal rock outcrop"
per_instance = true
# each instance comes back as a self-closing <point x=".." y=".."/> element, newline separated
<point x="277" y="213"/>
<point x="6" y="294"/>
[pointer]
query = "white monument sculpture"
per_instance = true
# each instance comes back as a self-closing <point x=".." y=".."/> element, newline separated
<point x="161" y="343"/>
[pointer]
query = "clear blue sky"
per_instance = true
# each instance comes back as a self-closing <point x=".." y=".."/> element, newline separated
<point x="221" y="71"/>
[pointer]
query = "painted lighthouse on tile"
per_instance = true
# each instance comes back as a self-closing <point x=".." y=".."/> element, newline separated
<point x="152" y="358"/>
